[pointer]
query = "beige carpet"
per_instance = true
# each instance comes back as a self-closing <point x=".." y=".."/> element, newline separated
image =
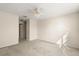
<point x="37" y="48"/>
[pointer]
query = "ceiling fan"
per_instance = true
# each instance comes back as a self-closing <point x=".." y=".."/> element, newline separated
<point x="36" y="12"/>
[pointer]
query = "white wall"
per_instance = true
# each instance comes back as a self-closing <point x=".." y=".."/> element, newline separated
<point x="32" y="29"/>
<point x="52" y="29"/>
<point x="8" y="29"/>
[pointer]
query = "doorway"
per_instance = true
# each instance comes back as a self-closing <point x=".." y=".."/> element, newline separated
<point x="22" y="29"/>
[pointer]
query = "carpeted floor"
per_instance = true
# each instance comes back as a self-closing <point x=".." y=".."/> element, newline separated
<point x="37" y="48"/>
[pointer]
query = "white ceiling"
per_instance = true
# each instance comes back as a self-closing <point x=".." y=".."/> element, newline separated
<point x="46" y="9"/>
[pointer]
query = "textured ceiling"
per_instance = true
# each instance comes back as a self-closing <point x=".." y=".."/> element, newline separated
<point x="46" y="9"/>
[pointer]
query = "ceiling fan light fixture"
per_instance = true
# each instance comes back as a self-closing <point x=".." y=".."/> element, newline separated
<point x="36" y="12"/>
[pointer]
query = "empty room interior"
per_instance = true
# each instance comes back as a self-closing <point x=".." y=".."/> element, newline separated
<point x="39" y="29"/>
